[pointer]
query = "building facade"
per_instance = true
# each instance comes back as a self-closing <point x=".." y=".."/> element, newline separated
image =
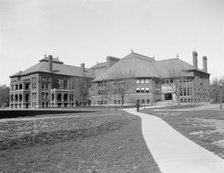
<point x="137" y="78"/>
<point x="50" y="83"/>
<point x="134" y="78"/>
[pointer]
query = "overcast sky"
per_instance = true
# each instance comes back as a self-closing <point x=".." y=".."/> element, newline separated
<point x="87" y="31"/>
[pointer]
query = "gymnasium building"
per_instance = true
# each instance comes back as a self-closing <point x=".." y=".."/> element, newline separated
<point x="125" y="81"/>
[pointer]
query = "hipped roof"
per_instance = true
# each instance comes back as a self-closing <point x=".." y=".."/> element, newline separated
<point x="139" y="66"/>
<point x="58" y="68"/>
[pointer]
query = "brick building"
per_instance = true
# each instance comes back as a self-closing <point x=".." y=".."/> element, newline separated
<point x="140" y="78"/>
<point x="50" y="83"/>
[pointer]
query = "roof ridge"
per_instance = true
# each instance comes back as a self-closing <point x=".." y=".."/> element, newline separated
<point x="168" y="59"/>
<point x="140" y="56"/>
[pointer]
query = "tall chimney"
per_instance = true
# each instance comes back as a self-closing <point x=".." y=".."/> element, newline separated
<point x="83" y="67"/>
<point x="205" y="67"/>
<point x="195" y="60"/>
<point x="50" y="62"/>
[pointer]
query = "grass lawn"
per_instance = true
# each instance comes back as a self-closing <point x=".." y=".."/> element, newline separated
<point x="84" y="144"/>
<point x="204" y="127"/>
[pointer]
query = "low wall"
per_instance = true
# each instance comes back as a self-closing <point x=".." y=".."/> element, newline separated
<point x="12" y="113"/>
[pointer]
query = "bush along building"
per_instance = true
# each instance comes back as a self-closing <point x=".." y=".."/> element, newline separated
<point x="138" y="78"/>
<point x="50" y="83"/>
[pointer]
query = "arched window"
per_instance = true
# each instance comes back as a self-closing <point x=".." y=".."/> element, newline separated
<point x="11" y="98"/>
<point x="148" y="101"/>
<point x="71" y="97"/>
<point x="20" y="97"/>
<point x="52" y="97"/>
<point x="143" y="101"/>
<point x="59" y="97"/>
<point x="27" y="97"/>
<point x="115" y="102"/>
<point x="138" y="101"/>
<point x="65" y="84"/>
<point x="56" y="84"/>
<point x="119" y="102"/>
<point x="65" y="97"/>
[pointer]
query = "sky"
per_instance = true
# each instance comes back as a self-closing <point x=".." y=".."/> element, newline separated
<point x="87" y="31"/>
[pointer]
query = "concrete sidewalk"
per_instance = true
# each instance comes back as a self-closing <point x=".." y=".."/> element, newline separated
<point x="173" y="152"/>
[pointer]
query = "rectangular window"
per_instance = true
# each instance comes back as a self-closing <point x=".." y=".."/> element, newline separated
<point x="34" y="85"/>
<point x="137" y="90"/>
<point x="47" y="96"/>
<point x="146" y="81"/>
<point x="142" y="90"/>
<point x="185" y="92"/>
<point x="137" y="81"/>
<point x="20" y="86"/>
<point x="43" y="95"/>
<point x="142" y="81"/>
<point x="147" y="90"/>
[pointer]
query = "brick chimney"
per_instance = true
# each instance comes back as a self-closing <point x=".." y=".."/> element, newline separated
<point x="205" y="68"/>
<point x="50" y="63"/>
<point x="195" y="60"/>
<point x="111" y="61"/>
<point x="83" y="67"/>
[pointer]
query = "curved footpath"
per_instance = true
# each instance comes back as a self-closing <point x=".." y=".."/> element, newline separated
<point x="173" y="152"/>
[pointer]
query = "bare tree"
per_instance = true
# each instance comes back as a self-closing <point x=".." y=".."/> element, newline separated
<point x="175" y="82"/>
<point x="4" y="95"/>
<point x="80" y="87"/>
<point x="122" y="82"/>
<point x="215" y="89"/>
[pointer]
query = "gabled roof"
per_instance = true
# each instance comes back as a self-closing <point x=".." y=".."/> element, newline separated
<point x="58" y="68"/>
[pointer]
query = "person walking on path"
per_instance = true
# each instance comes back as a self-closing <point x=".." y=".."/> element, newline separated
<point x="137" y="106"/>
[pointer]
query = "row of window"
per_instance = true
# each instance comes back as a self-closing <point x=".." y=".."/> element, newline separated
<point x="20" y="87"/>
<point x="142" y="80"/>
<point x="46" y="79"/>
<point x="118" y="102"/>
<point x="34" y="95"/>
<point x="169" y="81"/>
<point x="186" y="91"/>
<point x="142" y="90"/>
<point x="65" y="97"/>
<point x="34" y="86"/>
<point x="44" y="85"/>
<point x="45" y="95"/>
<point x="19" y="98"/>
<point x="102" y="92"/>
<point x="63" y="84"/>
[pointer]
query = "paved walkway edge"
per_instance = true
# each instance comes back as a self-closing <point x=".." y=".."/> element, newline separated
<point x="173" y="152"/>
